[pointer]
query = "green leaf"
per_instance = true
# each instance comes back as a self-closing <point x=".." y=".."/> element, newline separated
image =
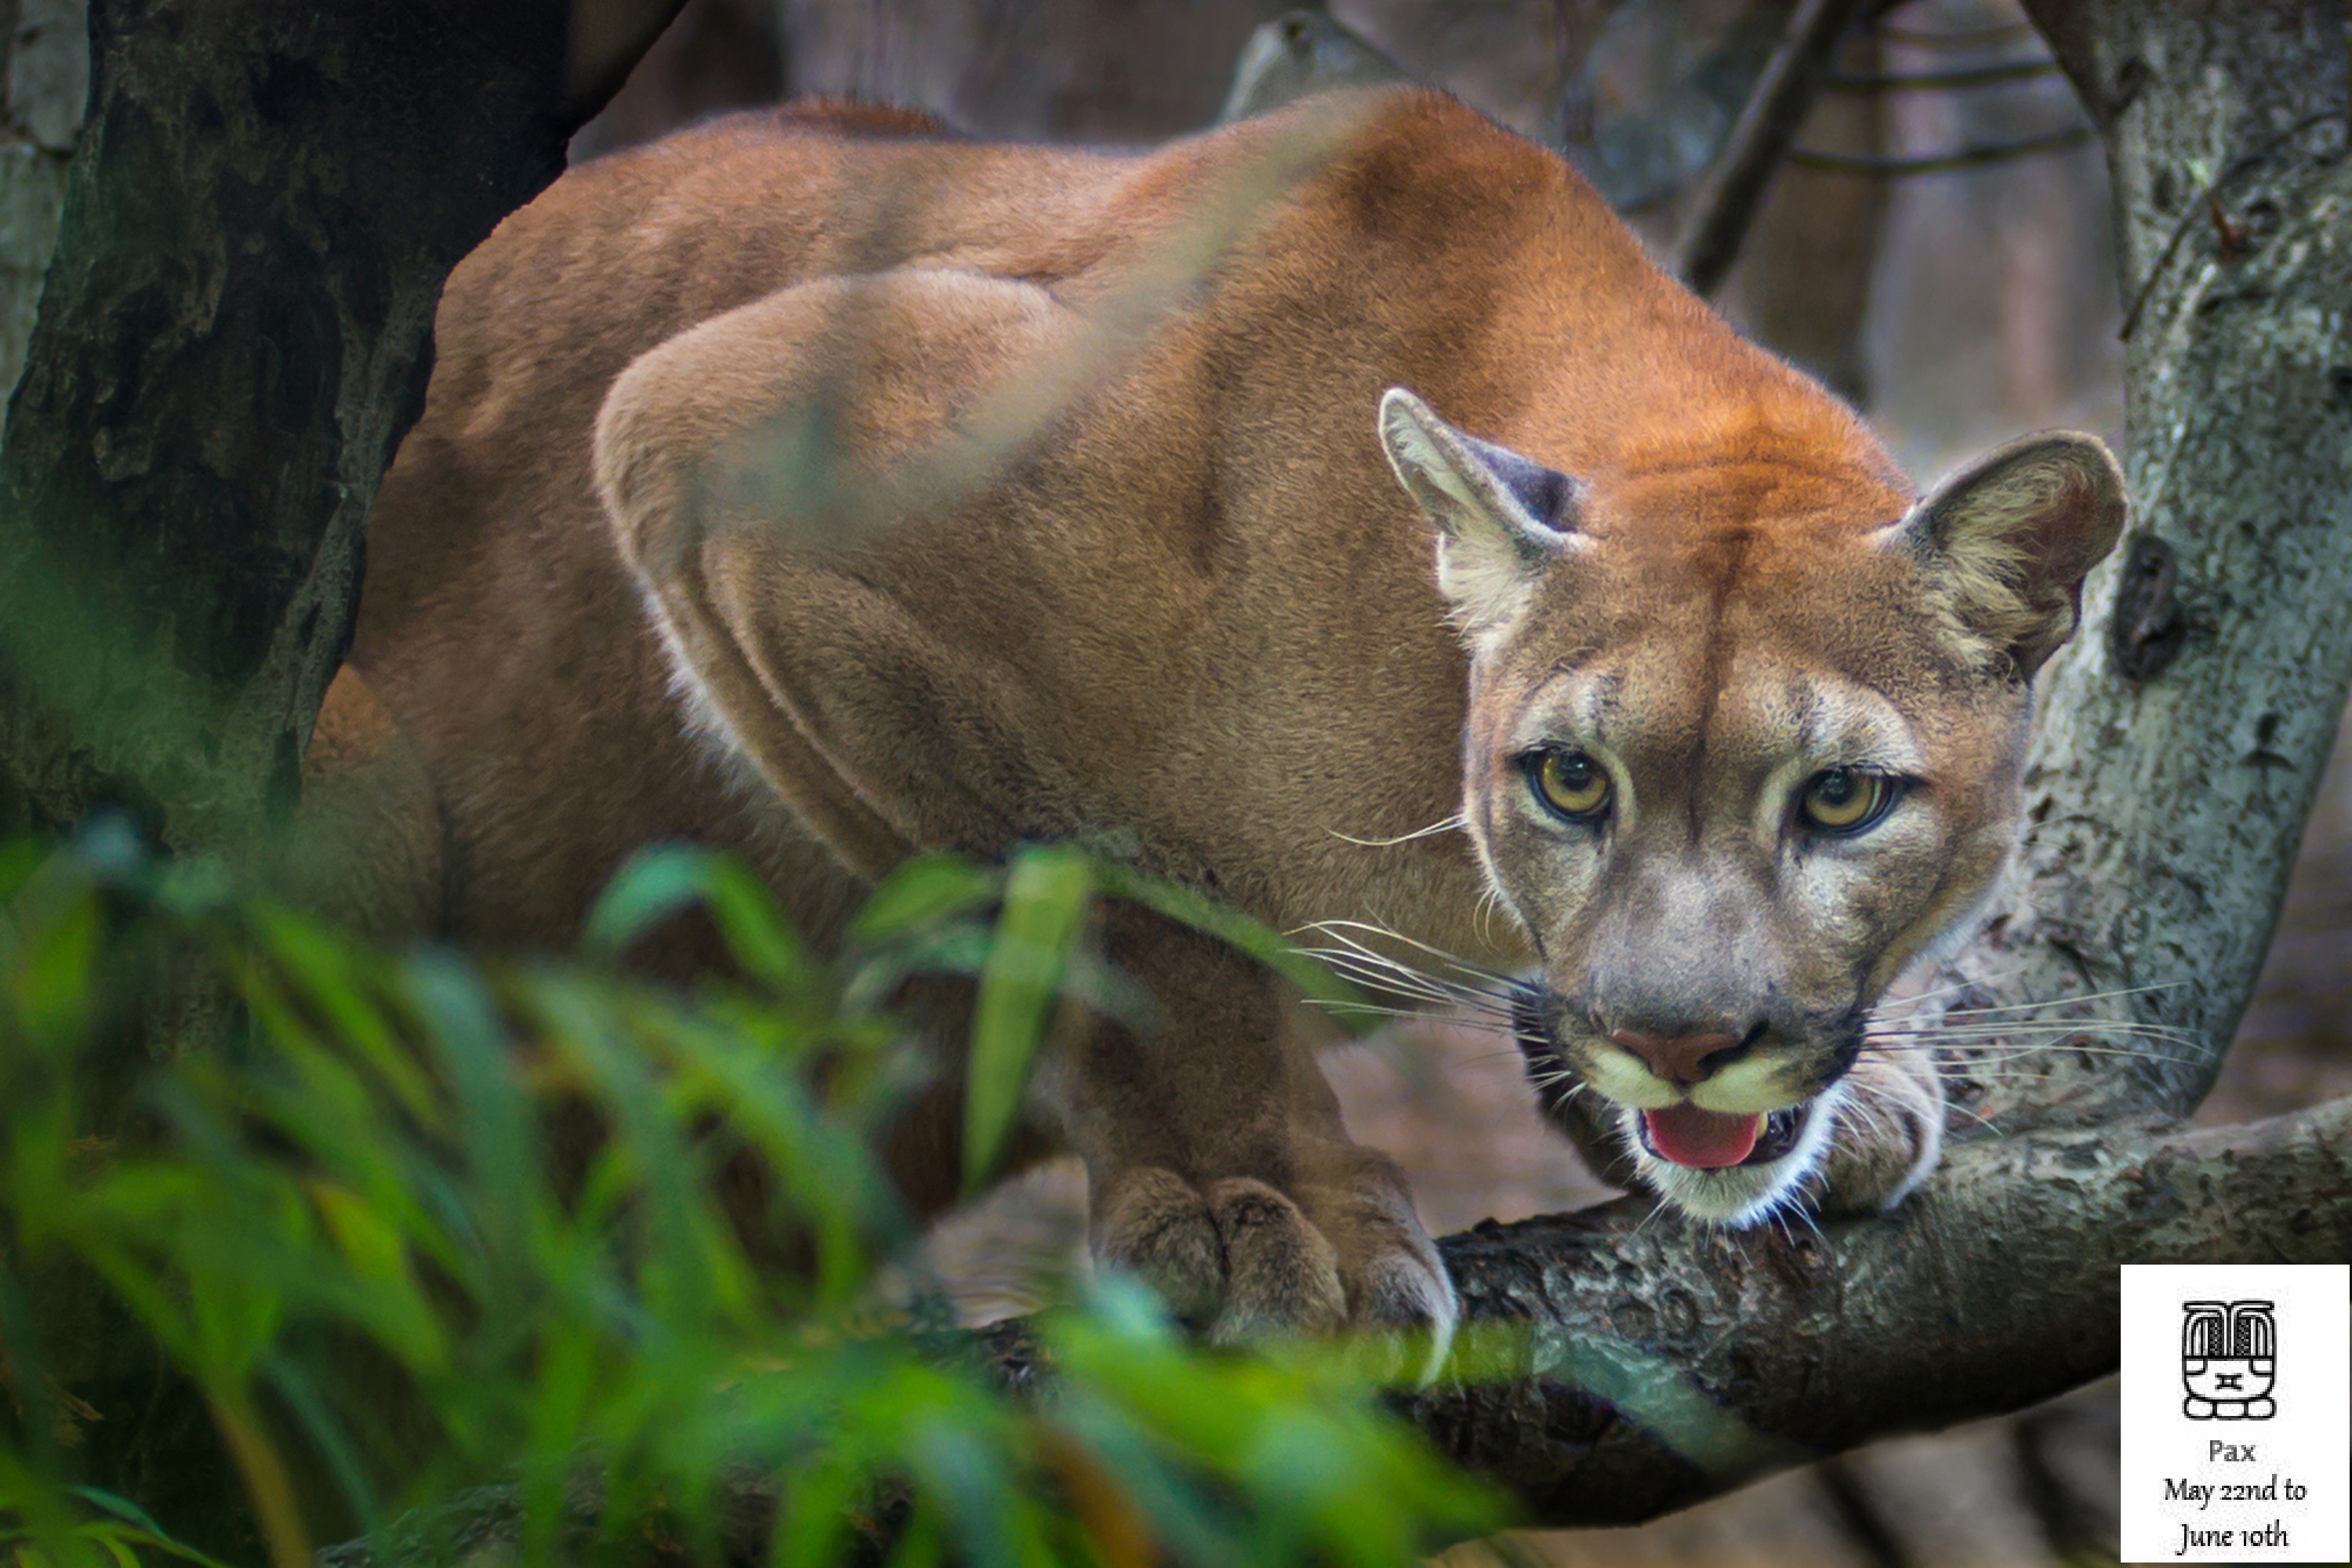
<point x="663" y="881"/>
<point x="122" y="1508"/>
<point x="926" y="889"/>
<point x="653" y="887"/>
<point x="1046" y="896"/>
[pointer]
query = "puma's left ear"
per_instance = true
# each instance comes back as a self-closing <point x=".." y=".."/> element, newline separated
<point x="2013" y="535"/>
<point x="1501" y="518"/>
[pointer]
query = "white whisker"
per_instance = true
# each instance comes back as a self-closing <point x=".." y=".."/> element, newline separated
<point x="1482" y="919"/>
<point x="1449" y="960"/>
<point x="2035" y="1006"/>
<point x="1916" y="997"/>
<point x="1978" y="1117"/>
<point x="1453" y="823"/>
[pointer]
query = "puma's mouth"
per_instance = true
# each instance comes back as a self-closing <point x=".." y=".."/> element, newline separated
<point x="1712" y="1139"/>
<point x="1732" y="1170"/>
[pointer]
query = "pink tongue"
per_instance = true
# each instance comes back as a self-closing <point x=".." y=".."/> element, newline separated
<point x="1705" y="1139"/>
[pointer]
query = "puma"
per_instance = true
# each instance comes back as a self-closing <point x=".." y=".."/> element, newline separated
<point x="822" y="485"/>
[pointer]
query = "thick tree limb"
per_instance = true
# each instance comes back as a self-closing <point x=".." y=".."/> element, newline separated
<point x="1658" y="1365"/>
<point x="1666" y="1364"/>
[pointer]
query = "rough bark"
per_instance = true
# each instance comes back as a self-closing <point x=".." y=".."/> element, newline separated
<point x="2184" y="731"/>
<point x="1993" y="1288"/>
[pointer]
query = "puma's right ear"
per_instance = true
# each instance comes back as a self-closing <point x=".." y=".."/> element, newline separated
<point x="2013" y="535"/>
<point x="1501" y="518"/>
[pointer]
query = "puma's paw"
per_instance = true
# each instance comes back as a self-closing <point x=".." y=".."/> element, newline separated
<point x="1890" y="1132"/>
<point x="1244" y="1260"/>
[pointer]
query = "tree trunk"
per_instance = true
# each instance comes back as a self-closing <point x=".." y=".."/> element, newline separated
<point x="2184" y="731"/>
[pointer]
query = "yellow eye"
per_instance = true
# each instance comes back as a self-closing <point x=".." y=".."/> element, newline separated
<point x="1572" y="785"/>
<point x="1845" y="800"/>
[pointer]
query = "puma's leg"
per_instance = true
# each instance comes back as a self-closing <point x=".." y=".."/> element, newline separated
<point x="364" y="848"/>
<point x="1220" y="1172"/>
<point x="843" y="608"/>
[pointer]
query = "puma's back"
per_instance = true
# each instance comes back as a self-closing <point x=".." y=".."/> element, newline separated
<point x="1279" y="290"/>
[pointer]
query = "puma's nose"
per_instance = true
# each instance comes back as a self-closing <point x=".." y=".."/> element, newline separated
<point x="1684" y="1060"/>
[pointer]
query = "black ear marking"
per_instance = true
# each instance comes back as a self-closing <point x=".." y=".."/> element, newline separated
<point x="1547" y="495"/>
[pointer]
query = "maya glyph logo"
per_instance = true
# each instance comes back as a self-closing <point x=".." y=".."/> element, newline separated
<point x="2228" y="1358"/>
<point x="2236" y="1413"/>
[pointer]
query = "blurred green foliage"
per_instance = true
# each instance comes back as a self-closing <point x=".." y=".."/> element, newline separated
<point x="357" y="1234"/>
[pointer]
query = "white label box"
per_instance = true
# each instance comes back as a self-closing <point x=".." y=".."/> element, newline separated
<point x="2236" y="1413"/>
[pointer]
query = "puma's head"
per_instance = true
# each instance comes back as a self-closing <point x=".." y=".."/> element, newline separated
<point x="1744" y="739"/>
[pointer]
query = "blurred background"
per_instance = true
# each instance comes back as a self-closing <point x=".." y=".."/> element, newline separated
<point x="1936" y="247"/>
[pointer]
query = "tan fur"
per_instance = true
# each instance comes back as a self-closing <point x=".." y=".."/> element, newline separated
<point x="828" y="490"/>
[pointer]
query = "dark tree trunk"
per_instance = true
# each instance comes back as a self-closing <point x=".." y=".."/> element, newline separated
<point x="235" y="334"/>
<point x="43" y="79"/>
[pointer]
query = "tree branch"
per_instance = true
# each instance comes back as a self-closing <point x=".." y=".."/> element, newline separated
<point x="1659" y="1363"/>
<point x="1734" y="186"/>
<point x="1666" y="1363"/>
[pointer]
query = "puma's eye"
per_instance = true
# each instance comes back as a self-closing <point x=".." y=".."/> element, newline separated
<point x="1845" y="800"/>
<point x="1570" y="784"/>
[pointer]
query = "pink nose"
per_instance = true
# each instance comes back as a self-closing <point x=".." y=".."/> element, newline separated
<point x="1682" y="1060"/>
